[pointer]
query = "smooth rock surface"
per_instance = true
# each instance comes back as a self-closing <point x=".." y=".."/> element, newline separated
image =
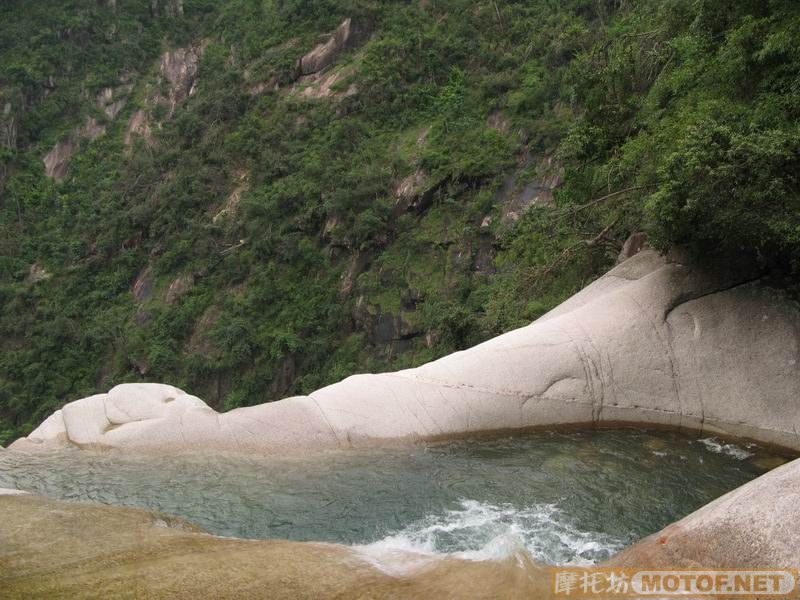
<point x="652" y="342"/>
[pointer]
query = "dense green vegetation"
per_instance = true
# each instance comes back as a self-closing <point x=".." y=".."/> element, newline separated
<point x="262" y="227"/>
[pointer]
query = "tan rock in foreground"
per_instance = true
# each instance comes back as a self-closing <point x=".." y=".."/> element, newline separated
<point x="52" y="549"/>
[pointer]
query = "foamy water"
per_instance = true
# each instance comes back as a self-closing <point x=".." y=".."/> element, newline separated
<point x="733" y="450"/>
<point x="483" y="531"/>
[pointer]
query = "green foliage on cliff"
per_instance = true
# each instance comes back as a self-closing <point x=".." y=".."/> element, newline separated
<point x="696" y="103"/>
<point x="282" y="232"/>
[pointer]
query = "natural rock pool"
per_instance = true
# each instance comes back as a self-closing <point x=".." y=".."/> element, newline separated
<point x="564" y="497"/>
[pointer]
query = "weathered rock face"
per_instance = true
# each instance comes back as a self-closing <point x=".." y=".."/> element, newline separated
<point x="497" y="121"/>
<point x="178" y="70"/>
<point x="415" y="194"/>
<point x="111" y="101"/>
<point x="170" y="8"/>
<point x="518" y="194"/>
<point x="231" y="206"/>
<point x="355" y="266"/>
<point x="93" y="129"/>
<point x="635" y="243"/>
<point x="56" y="162"/>
<point x="408" y="190"/>
<point x="179" y="67"/>
<point x="138" y="125"/>
<point x="321" y="85"/>
<point x="653" y="341"/>
<point x="80" y="423"/>
<point x="37" y="273"/>
<point x="179" y="287"/>
<point x="143" y="286"/>
<point x="8" y="132"/>
<point x="347" y="36"/>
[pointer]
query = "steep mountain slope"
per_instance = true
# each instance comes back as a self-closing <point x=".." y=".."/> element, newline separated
<point x="253" y="199"/>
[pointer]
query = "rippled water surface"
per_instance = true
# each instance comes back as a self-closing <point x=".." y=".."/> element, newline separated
<point x="565" y="497"/>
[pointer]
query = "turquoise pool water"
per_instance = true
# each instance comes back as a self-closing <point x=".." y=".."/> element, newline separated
<point x="564" y="496"/>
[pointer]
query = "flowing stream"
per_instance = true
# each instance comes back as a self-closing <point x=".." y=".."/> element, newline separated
<point x="564" y="497"/>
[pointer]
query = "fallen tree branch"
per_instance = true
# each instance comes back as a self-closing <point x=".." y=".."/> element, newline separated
<point x="602" y="199"/>
<point x="499" y="18"/>
<point x="231" y="248"/>
<point x="580" y="244"/>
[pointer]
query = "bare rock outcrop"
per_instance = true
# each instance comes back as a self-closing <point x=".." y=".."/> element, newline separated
<point x="231" y="206"/>
<point x="82" y="422"/>
<point x="324" y="85"/>
<point x="9" y="121"/>
<point x="138" y="126"/>
<point x="143" y="286"/>
<point x="635" y="243"/>
<point x="179" y="68"/>
<point x="56" y="162"/>
<point x="409" y="188"/>
<point x="178" y="74"/>
<point x="518" y="193"/>
<point x="169" y="8"/>
<point x="37" y="273"/>
<point x="180" y="286"/>
<point x="8" y="132"/>
<point x="110" y="101"/>
<point x="347" y="36"/>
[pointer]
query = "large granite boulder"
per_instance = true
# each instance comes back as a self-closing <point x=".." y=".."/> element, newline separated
<point x="85" y="421"/>
<point x="654" y="341"/>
